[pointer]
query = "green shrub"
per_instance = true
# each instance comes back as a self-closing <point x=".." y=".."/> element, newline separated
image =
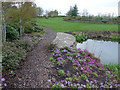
<point x="11" y="33"/>
<point x="61" y="72"/>
<point x="32" y="26"/>
<point x="28" y="28"/>
<point x="15" y="25"/>
<point x="37" y="29"/>
<point x="12" y="56"/>
<point x="104" y="21"/>
<point x="81" y="38"/>
<point x="26" y="44"/>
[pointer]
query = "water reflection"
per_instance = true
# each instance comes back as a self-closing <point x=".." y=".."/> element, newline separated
<point x="107" y="51"/>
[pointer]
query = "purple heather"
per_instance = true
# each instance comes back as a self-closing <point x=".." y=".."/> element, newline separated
<point x="62" y="81"/>
<point x="91" y="82"/>
<point x="84" y="86"/>
<point x="5" y="84"/>
<point x="78" y="84"/>
<point x="87" y="80"/>
<point x="118" y="85"/>
<point x="49" y="80"/>
<point x="71" y="84"/>
<point x="3" y="79"/>
<point x="68" y="83"/>
<point x="62" y="86"/>
<point x="77" y="73"/>
<point x="56" y="83"/>
<point x="95" y="81"/>
<point x="110" y="86"/>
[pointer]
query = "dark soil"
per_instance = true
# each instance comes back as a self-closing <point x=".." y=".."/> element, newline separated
<point x="34" y="71"/>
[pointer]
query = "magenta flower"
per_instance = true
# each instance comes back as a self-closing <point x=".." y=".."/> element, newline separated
<point x="83" y="65"/>
<point x="84" y="62"/>
<point x="84" y="71"/>
<point x="95" y="71"/>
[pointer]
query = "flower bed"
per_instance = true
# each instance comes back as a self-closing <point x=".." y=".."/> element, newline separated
<point x="74" y="68"/>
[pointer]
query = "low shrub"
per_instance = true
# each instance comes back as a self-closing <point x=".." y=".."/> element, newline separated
<point x="28" y="28"/>
<point x="26" y="44"/>
<point x="81" y="38"/>
<point x="104" y="21"/>
<point x="32" y="26"/>
<point x="37" y="29"/>
<point x="11" y="33"/>
<point x="12" y="56"/>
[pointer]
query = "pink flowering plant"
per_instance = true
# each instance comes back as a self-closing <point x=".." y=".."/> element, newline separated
<point x="81" y="70"/>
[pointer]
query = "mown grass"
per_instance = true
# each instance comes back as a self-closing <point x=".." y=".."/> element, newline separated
<point x="59" y="25"/>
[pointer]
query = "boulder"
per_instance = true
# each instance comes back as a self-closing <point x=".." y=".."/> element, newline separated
<point x="64" y="39"/>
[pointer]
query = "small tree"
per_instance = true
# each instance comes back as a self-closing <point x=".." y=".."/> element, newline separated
<point x="69" y="13"/>
<point x="40" y="11"/>
<point x="73" y="11"/>
<point x="56" y="13"/>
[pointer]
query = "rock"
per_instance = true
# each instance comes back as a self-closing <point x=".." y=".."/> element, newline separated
<point x="63" y="39"/>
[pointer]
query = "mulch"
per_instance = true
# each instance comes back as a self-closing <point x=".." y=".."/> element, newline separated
<point x="34" y="71"/>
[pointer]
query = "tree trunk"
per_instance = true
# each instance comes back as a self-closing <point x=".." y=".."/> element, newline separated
<point x="3" y="26"/>
<point x="20" y="26"/>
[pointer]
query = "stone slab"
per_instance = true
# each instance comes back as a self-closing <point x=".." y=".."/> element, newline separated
<point x="63" y="39"/>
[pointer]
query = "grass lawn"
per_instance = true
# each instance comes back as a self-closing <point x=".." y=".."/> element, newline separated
<point x="59" y="25"/>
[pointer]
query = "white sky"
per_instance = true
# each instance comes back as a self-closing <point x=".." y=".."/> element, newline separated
<point x="93" y="6"/>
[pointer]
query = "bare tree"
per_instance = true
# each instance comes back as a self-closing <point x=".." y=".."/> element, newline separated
<point x="85" y="12"/>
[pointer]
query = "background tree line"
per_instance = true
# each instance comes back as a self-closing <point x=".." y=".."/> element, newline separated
<point x="73" y="14"/>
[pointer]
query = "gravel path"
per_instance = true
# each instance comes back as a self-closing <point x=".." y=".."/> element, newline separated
<point x="33" y="72"/>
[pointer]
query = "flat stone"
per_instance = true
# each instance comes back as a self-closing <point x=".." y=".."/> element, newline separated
<point x="63" y="39"/>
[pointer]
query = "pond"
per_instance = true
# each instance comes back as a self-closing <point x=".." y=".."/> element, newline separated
<point x="107" y="51"/>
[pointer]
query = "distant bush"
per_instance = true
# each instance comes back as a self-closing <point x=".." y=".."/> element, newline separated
<point x="67" y="18"/>
<point x="11" y="33"/>
<point x="12" y="56"/>
<point x="104" y="21"/>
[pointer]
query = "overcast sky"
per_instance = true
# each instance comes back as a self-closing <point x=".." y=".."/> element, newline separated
<point x="93" y="6"/>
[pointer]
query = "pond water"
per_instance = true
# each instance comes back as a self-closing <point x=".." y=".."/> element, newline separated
<point x="107" y="51"/>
